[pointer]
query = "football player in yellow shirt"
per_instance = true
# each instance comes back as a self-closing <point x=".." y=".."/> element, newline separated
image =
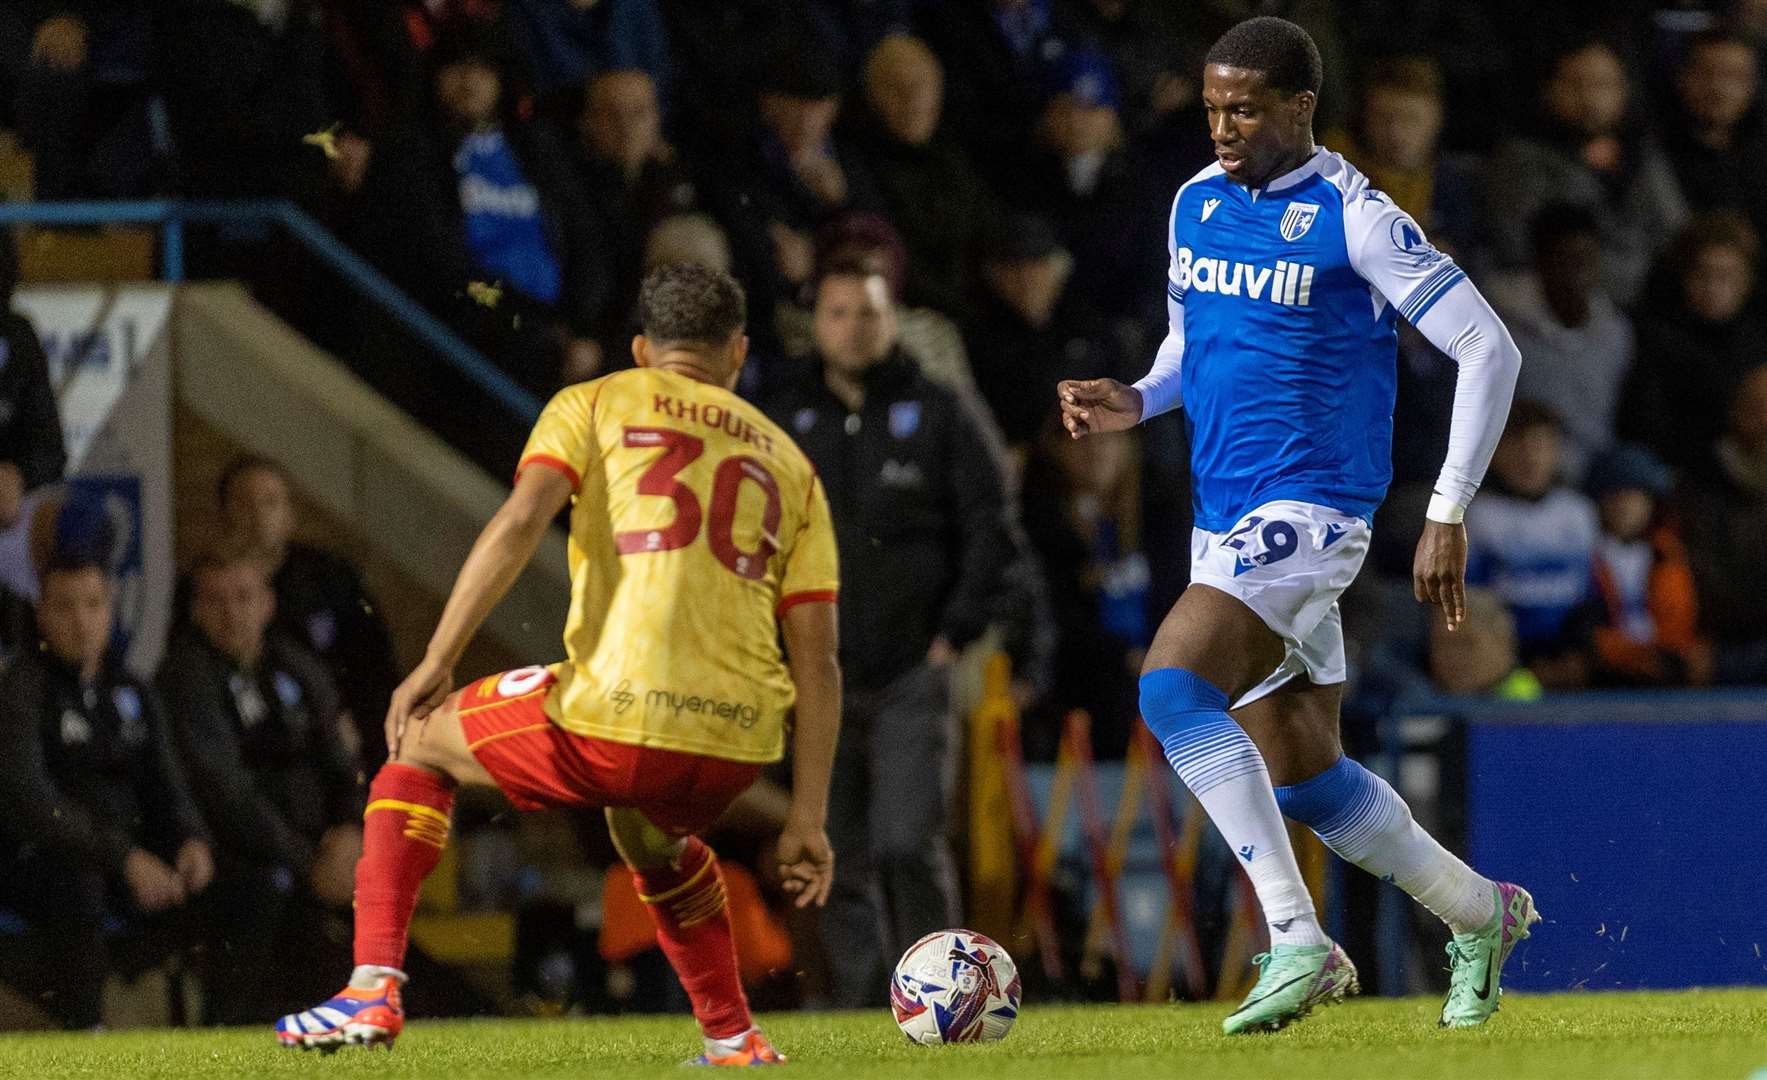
<point x="699" y="536"/>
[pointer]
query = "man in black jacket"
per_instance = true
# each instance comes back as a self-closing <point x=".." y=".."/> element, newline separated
<point x="930" y="186"/>
<point x="256" y="717"/>
<point x="321" y="600"/>
<point x="631" y="179"/>
<point x="82" y="75"/>
<point x="96" y="822"/>
<point x="919" y="513"/>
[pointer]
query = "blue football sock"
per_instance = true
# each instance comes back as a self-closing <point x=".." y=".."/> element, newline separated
<point x="1364" y="820"/>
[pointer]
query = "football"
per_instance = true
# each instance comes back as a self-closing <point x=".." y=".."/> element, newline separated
<point x="955" y="986"/>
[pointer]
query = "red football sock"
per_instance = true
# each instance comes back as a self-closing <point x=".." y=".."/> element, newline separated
<point x="693" y="927"/>
<point x="403" y="833"/>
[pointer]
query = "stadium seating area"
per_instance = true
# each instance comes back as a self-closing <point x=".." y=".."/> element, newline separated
<point x="1006" y="167"/>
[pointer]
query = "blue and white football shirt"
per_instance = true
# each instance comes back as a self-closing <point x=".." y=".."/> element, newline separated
<point x="1290" y="295"/>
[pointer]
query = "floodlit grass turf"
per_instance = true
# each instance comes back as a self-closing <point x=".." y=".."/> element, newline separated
<point x="1712" y="1035"/>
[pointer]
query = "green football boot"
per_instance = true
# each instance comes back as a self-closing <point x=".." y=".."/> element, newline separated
<point x="1477" y="957"/>
<point x="1292" y="979"/>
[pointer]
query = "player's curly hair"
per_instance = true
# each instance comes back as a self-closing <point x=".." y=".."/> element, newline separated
<point x="691" y="304"/>
<point x="1284" y="52"/>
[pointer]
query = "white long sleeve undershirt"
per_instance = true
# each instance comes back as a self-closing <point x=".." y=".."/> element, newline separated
<point x="1463" y="326"/>
<point x="1160" y="387"/>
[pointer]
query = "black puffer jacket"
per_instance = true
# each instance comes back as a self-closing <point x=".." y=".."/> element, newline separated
<point x="262" y="748"/>
<point x="919" y="514"/>
<point x="90" y="771"/>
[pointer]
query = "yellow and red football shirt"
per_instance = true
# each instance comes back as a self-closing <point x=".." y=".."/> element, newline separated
<point x="696" y="524"/>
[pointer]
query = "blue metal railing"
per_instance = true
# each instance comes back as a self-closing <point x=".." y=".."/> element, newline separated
<point x="171" y="215"/>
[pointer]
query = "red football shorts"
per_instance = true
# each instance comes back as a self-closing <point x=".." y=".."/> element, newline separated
<point x="539" y="764"/>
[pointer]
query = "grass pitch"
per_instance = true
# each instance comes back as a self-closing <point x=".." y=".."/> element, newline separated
<point x="1712" y="1035"/>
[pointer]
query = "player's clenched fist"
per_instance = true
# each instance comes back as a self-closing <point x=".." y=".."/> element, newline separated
<point x="1093" y="406"/>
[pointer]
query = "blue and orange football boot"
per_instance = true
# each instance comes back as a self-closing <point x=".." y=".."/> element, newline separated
<point x="355" y="1017"/>
<point x="740" y="1051"/>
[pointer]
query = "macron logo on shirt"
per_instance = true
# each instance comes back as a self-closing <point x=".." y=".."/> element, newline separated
<point x="1286" y="283"/>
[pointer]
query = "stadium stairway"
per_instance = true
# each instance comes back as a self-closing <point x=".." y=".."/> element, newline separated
<point x="371" y="481"/>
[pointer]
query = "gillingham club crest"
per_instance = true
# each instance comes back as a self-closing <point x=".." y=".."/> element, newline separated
<point x="1297" y="219"/>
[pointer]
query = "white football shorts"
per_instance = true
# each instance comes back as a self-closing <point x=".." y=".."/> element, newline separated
<point x="1289" y="562"/>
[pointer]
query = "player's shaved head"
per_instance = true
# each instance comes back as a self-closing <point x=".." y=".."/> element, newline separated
<point x="1260" y="87"/>
<point x="692" y="318"/>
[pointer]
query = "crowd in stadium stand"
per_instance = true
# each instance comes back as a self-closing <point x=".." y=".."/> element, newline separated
<point x="212" y="812"/>
<point x="939" y="208"/>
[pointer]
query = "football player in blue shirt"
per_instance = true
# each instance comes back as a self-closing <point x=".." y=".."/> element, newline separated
<point x="1288" y="274"/>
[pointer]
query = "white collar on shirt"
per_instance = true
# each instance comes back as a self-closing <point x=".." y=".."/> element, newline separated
<point x="1296" y="175"/>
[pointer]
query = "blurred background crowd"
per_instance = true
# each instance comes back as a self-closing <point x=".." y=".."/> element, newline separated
<point x="939" y="208"/>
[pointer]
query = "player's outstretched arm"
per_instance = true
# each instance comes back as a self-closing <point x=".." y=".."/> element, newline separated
<point x="806" y="861"/>
<point x="508" y="541"/>
<point x="1095" y="406"/>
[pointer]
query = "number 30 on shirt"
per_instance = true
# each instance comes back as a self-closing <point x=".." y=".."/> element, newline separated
<point x="661" y="480"/>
